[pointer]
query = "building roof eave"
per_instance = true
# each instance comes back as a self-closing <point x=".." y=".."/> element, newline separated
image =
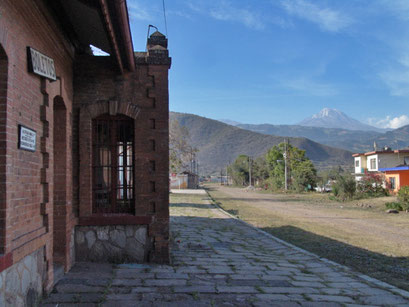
<point x="122" y="13"/>
<point x="396" y="168"/>
<point x="100" y="23"/>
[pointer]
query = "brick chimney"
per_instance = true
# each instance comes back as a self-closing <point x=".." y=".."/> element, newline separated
<point x="158" y="53"/>
<point x="156" y="39"/>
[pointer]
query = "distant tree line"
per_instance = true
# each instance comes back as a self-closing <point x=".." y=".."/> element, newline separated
<point x="269" y="170"/>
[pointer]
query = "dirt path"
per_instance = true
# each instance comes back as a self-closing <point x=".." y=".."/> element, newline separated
<point x="384" y="233"/>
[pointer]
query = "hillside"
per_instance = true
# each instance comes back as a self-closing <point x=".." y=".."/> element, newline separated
<point x="353" y="140"/>
<point x="398" y="138"/>
<point x="220" y="144"/>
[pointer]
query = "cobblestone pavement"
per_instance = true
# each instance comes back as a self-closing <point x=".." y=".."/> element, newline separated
<point x="220" y="261"/>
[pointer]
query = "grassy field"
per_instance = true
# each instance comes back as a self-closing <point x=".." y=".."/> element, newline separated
<point x="358" y="234"/>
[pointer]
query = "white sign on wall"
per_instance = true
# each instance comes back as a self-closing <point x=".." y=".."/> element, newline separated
<point x="26" y="138"/>
<point x="40" y="64"/>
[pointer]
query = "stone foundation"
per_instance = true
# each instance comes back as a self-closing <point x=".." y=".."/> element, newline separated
<point x="115" y="244"/>
<point x="22" y="283"/>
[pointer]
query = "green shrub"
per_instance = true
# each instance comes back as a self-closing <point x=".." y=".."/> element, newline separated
<point x="394" y="205"/>
<point x="344" y="188"/>
<point x="403" y="197"/>
<point x="332" y="197"/>
<point x="335" y="190"/>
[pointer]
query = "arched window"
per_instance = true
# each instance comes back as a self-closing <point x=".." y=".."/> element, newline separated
<point x="113" y="180"/>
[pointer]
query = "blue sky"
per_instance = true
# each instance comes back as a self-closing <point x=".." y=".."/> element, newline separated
<point x="279" y="61"/>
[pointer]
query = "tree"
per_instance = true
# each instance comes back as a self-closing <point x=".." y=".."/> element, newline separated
<point x="325" y="176"/>
<point x="275" y="163"/>
<point x="239" y="170"/>
<point x="304" y="175"/>
<point x="181" y="152"/>
<point x="260" y="170"/>
<point x="302" y="172"/>
<point x="344" y="187"/>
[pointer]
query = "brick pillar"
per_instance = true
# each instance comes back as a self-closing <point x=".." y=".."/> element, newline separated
<point x="60" y="181"/>
<point x="158" y="65"/>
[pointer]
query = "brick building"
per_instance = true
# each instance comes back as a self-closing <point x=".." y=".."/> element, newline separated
<point x="83" y="142"/>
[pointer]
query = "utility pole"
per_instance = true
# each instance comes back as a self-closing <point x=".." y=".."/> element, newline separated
<point x="249" y="171"/>
<point x="227" y="172"/>
<point x="197" y="174"/>
<point x="285" y="165"/>
<point x="227" y="175"/>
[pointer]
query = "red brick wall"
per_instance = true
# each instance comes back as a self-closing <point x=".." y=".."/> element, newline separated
<point x="143" y="96"/>
<point x="3" y="168"/>
<point x="29" y="181"/>
<point x="27" y="186"/>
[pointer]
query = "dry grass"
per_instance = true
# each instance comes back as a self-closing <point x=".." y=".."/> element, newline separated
<point x="192" y="205"/>
<point x="358" y="234"/>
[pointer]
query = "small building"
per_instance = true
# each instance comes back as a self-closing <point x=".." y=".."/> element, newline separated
<point x="396" y="177"/>
<point x="84" y="142"/>
<point x="185" y="180"/>
<point x="373" y="161"/>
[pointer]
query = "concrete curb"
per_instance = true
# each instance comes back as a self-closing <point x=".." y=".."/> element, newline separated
<point x="363" y="277"/>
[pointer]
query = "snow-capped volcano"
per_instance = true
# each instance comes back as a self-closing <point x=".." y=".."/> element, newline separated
<point x="332" y="118"/>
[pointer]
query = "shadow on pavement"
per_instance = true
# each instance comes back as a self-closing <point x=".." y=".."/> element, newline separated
<point x="394" y="270"/>
<point x="189" y="205"/>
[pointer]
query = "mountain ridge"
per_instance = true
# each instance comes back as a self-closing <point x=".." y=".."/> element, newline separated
<point x="219" y="144"/>
<point x="353" y="140"/>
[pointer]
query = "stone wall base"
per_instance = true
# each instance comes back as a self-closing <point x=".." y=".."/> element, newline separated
<point x="115" y="244"/>
<point x="22" y="283"/>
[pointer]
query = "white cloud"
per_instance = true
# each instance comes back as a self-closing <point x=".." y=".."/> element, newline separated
<point x="327" y="19"/>
<point x="399" y="8"/>
<point x="309" y="81"/>
<point x="225" y="11"/>
<point x="137" y="12"/>
<point x="304" y="85"/>
<point x="390" y="122"/>
<point x="179" y="13"/>
<point x="396" y="75"/>
<point x="309" y="86"/>
<point x="397" y="80"/>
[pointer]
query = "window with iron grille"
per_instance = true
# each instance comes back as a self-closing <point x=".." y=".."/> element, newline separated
<point x="113" y="180"/>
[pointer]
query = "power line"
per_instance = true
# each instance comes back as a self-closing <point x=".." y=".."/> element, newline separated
<point x="164" y="17"/>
